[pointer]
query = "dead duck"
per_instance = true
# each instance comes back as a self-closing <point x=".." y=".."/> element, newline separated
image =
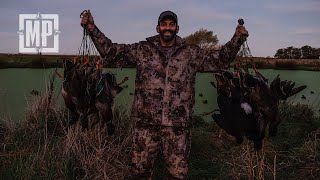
<point x="83" y="86"/>
<point x="246" y="111"/>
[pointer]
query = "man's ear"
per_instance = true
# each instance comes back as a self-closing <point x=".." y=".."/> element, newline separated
<point x="157" y="28"/>
<point x="177" y="29"/>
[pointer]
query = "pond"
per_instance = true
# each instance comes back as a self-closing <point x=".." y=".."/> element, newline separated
<point x="17" y="84"/>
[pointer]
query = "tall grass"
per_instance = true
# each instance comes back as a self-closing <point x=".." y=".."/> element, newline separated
<point x="42" y="146"/>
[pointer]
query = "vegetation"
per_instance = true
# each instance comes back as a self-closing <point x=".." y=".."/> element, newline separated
<point x="305" y="52"/>
<point x="43" y="147"/>
<point x="290" y="64"/>
<point x="34" y="61"/>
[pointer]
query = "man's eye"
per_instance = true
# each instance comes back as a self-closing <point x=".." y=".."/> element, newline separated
<point x="172" y="24"/>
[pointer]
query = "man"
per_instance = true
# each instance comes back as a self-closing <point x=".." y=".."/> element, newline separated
<point x="164" y="89"/>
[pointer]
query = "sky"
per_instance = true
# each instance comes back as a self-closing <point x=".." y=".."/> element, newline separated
<point x="272" y="24"/>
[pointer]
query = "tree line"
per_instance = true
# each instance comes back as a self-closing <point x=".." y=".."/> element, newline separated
<point x="305" y="52"/>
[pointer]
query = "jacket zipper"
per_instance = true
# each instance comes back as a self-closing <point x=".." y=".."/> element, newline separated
<point x="166" y="82"/>
<point x="165" y="91"/>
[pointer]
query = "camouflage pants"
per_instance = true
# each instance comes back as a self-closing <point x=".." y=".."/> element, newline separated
<point x="148" y="140"/>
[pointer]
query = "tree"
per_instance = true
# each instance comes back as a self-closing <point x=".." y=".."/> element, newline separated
<point x="309" y="52"/>
<point x="318" y="53"/>
<point x="305" y="52"/>
<point x="281" y="54"/>
<point x="293" y="53"/>
<point x="202" y="38"/>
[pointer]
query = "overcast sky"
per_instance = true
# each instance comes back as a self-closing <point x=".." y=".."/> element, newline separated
<point x="271" y="24"/>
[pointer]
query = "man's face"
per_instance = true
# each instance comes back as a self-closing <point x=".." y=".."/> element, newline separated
<point x="168" y="30"/>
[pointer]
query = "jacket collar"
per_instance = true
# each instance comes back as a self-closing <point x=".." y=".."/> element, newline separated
<point x="156" y="40"/>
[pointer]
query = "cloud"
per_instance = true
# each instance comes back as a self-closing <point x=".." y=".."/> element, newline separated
<point x="295" y="7"/>
<point x="306" y="31"/>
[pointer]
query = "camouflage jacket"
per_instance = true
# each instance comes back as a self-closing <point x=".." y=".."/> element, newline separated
<point x="164" y="85"/>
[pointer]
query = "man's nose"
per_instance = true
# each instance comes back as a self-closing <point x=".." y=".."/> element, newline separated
<point x="167" y="27"/>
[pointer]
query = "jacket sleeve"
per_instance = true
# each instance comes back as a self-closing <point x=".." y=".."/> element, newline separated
<point x="120" y="55"/>
<point x="212" y="60"/>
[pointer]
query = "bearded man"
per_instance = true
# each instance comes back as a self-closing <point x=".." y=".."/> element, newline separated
<point x="164" y="97"/>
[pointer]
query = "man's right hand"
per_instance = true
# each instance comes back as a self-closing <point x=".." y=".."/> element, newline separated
<point x="87" y="20"/>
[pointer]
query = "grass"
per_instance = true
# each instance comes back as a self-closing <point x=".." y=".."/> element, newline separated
<point x="34" y="60"/>
<point x="285" y="64"/>
<point x="30" y="61"/>
<point x="43" y="147"/>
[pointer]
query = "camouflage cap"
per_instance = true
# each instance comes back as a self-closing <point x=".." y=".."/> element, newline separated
<point x="168" y="14"/>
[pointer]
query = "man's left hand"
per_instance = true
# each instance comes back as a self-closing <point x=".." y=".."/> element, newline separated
<point x="241" y="31"/>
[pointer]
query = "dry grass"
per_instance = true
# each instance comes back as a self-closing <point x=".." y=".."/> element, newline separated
<point x="243" y="161"/>
<point x="310" y="156"/>
<point x="274" y="63"/>
<point x="100" y="156"/>
<point x="43" y="147"/>
<point x="47" y="61"/>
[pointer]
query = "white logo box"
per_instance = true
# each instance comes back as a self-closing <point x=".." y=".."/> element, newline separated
<point x="29" y="31"/>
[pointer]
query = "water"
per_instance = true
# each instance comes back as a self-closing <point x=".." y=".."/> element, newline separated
<point x="16" y="85"/>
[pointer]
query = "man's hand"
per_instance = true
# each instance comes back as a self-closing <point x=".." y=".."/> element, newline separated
<point x="87" y="20"/>
<point x="241" y="31"/>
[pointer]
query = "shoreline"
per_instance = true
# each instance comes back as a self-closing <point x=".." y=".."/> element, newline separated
<point x="55" y="61"/>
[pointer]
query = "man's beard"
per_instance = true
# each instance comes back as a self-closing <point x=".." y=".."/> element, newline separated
<point x="168" y="38"/>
